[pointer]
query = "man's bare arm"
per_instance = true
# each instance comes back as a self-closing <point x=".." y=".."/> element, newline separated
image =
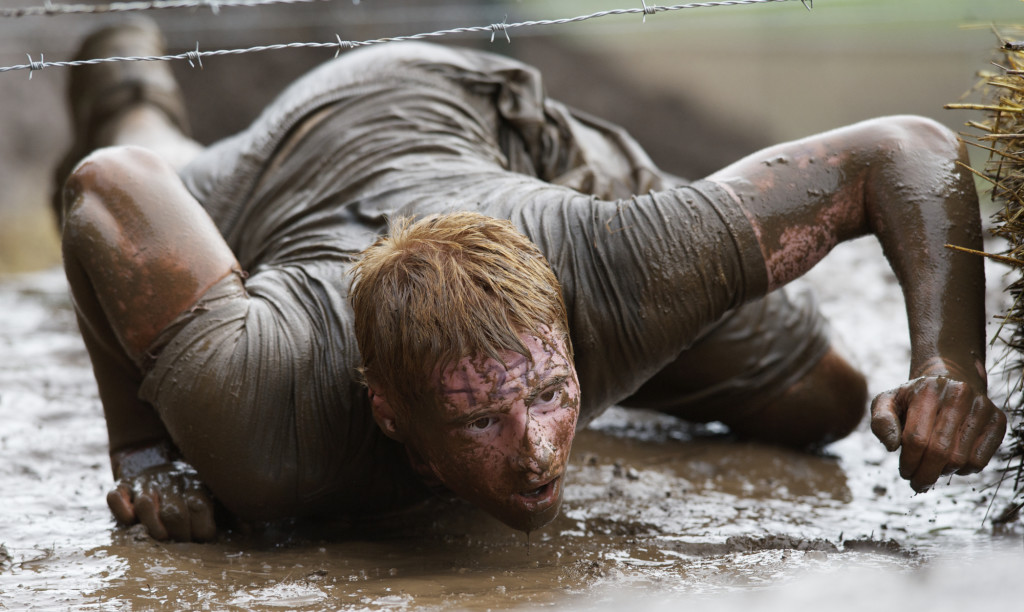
<point x="898" y="179"/>
<point x="138" y="251"/>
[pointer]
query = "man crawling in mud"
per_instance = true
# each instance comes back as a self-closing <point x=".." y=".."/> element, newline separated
<point x="257" y="340"/>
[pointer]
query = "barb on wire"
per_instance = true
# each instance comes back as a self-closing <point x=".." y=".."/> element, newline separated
<point x="343" y="45"/>
<point x="50" y="9"/>
<point x="195" y="57"/>
<point x="33" y="66"/>
<point x="648" y="10"/>
<point x="503" y="28"/>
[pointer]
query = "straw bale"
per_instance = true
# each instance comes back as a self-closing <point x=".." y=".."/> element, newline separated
<point x="1001" y="134"/>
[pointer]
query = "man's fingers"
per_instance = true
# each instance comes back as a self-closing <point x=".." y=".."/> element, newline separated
<point x="971" y="427"/>
<point x="886" y="419"/>
<point x="174" y="515"/>
<point x="988" y="443"/>
<point x="938" y="453"/>
<point x="119" y="500"/>
<point x="204" y="528"/>
<point x="917" y="431"/>
<point x="147" y="508"/>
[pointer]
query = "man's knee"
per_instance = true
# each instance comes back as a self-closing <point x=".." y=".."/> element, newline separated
<point x="825" y="405"/>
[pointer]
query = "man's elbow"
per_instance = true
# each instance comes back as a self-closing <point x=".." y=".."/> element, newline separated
<point x="914" y="134"/>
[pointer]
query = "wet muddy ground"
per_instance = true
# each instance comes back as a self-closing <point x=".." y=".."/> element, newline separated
<point x="657" y="515"/>
<point x="655" y="511"/>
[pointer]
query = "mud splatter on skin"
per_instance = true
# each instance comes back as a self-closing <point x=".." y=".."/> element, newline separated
<point x="503" y="434"/>
<point x="834" y="207"/>
<point x="823" y="189"/>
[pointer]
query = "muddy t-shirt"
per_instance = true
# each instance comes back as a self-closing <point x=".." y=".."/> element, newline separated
<point x="263" y="374"/>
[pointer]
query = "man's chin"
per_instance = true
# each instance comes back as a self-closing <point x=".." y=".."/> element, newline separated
<point x="531" y="510"/>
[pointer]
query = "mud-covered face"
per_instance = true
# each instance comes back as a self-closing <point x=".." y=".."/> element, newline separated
<point x="501" y="436"/>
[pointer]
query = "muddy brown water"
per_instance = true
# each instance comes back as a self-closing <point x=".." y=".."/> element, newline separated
<point x="657" y="514"/>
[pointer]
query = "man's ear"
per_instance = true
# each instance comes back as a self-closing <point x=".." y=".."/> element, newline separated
<point x="384" y="414"/>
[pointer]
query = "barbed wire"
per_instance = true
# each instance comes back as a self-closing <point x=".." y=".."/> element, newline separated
<point x="195" y="57"/>
<point x="50" y="9"/>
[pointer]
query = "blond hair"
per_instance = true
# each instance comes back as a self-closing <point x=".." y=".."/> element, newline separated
<point x="443" y="288"/>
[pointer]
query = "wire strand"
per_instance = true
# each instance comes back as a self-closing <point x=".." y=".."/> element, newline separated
<point x="195" y="57"/>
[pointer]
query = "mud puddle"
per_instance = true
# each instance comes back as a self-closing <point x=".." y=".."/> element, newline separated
<point x="656" y="513"/>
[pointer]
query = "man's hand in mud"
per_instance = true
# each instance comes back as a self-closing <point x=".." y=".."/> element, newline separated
<point x="168" y="499"/>
<point x="944" y="426"/>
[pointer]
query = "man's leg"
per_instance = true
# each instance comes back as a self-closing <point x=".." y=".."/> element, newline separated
<point x="768" y="371"/>
<point x="826" y="404"/>
<point x="125" y="103"/>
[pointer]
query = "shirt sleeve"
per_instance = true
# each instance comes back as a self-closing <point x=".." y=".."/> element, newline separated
<point x="256" y="385"/>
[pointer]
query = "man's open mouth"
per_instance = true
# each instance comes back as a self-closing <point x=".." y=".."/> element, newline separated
<point x="542" y="496"/>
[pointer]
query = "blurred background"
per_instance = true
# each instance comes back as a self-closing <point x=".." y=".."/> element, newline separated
<point x="698" y="88"/>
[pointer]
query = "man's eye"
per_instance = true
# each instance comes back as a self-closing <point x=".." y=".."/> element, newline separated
<point x="548" y="395"/>
<point x="481" y="423"/>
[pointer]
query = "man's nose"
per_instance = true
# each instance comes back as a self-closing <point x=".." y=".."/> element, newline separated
<point x="536" y="451"/>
